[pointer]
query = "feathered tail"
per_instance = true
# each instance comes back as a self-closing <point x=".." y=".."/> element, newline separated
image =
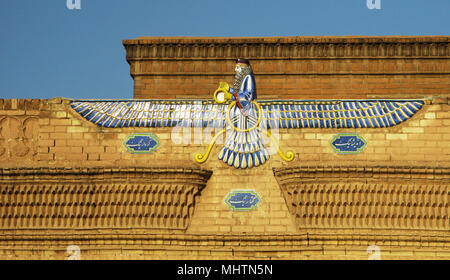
<point x="244" y="149"/>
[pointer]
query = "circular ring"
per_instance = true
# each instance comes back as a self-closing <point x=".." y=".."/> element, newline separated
<point x="248" y="129"/>
<point x="215" y="96"/>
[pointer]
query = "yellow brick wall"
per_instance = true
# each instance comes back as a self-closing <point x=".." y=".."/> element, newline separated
<point x="64" y="138"/>
<point x="53" y="135"/>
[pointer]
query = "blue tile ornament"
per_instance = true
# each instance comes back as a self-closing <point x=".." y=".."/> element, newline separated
<point x="243" y="200"/>
<point x="141" y="143"/>
<point x="347" y="143"/>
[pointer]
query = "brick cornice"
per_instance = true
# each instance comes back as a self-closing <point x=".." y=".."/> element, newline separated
<point x="382" y="197"/>
<point x="286" y="39"/>
<point x="89" y="171"/>
<point x="198" y="177"/>
<point x="185" y="48"/>
<point x="264" y="244"/>
<point x="152" y="198"/>
<point x="366" y="172"/>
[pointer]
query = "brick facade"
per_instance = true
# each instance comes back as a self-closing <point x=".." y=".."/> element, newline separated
<point x="65" y="181"/>
<point x="415" y="153"/>
<point x="293" y="67"/>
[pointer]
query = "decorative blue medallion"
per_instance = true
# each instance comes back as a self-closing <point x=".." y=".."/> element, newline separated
<point x="348" y="143"/>
<point x="243" y="200"/>
<point x="141" y="143"/>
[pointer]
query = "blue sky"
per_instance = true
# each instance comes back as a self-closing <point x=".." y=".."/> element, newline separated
<point x="48" y="50"/>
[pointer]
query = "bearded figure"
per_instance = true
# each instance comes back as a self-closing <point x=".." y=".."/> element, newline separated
<point x="243" y="147"/>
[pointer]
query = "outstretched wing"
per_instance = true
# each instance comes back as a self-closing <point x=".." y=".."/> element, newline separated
<point x="338" y="113"/>
<point x="151" y="113"/>
<point x="277" y="114"/>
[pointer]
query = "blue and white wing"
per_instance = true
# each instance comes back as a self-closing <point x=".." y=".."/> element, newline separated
<point x="151" y="113"/>
<point x="338" y="113"/>
<point x="277" y="114"/>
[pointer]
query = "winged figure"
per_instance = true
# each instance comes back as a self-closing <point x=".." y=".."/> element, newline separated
<point x="236" y="111"/>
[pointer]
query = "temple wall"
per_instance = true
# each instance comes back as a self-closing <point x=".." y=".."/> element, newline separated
<point x="67" y="184"/>
<point x="51" y="133"/>
<point x="293" y="67"/>
<point x="51" y="155"/>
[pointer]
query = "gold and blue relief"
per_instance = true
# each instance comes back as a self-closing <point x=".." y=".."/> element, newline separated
<point x="244" y="147"/>
<point x="141" y="143"/>
<point x="276" y="114"/>
<point x="151" y="113"/>
<point x="348" y="143"/>
<point x="243" y="200"/>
